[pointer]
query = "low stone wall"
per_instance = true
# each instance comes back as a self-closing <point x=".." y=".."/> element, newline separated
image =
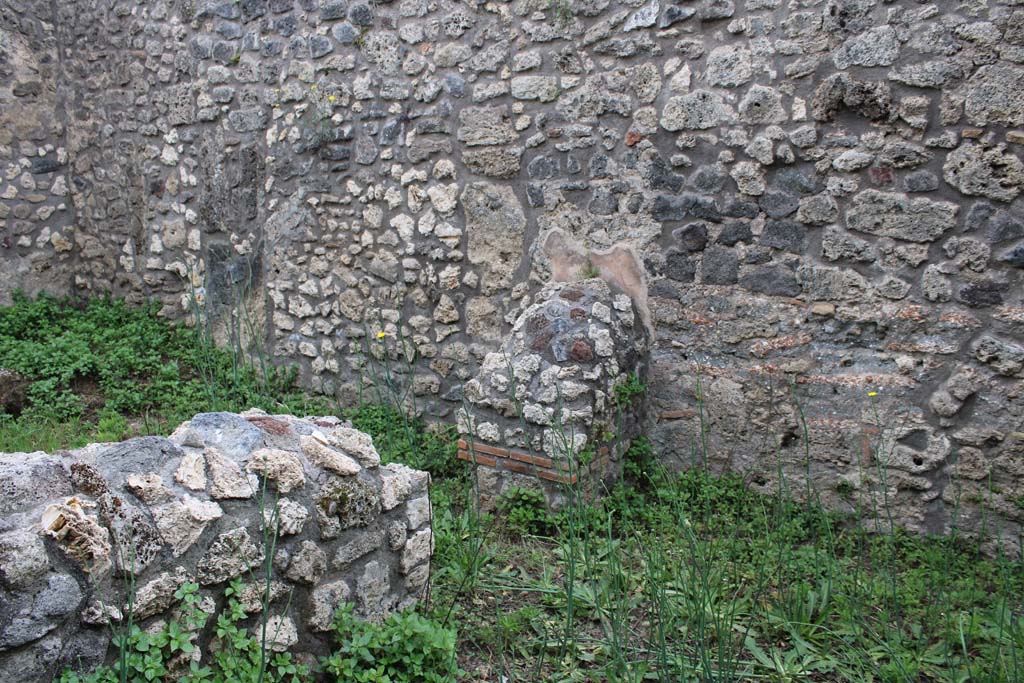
<point x="553" y="407"/>
<point x="187" y="509"/>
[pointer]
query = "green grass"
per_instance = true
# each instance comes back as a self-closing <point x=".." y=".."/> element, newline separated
<point x="101" y="371"/>
<point x="409" y="441"/>
<point x="693" y="577"/>
<point x="670" y="577"/>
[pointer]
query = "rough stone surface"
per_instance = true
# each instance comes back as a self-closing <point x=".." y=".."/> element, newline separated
<point x="995" y="94"/>
<point x="564" y="364"/>
<point x="350" y="163"/>
<point x="696" y="111"/>
<point x="57" y="564"/>
<point x="993" y="173"/>
<point x="895" y="215"/>
<point x="496" y="226"/>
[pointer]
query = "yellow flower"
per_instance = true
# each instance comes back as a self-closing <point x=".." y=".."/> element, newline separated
<point x="381" y="335"/>
<point x="331" y="98"/>
<point x="872" y="394"/>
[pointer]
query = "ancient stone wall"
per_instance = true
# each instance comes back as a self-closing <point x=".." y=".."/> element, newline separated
<point x="808" y="200"/>
<point x="36" y="247"/>
<point x="187" y="509"/>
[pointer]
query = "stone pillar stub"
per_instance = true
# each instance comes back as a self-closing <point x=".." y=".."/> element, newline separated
<point x="558" y="405"/>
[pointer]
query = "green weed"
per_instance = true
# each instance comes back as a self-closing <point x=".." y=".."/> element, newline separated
<point x="525" y="511"/>
<point x="101" y="370"/>
<point x="405" y="648"/>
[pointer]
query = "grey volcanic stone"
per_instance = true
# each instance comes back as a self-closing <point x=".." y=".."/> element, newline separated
<point x="710" y="10"/>
<point x="773" y="280"/>
<point x="485" y="126"/>
<point x="320" y="46"/>
<point x="345" y="33"/>
<point x="876" y="47"/>
<point x="26" y="479"/>
<point x="542" y="167"/>
<point x="679" y="266"/>
<point x="729" y="66"/>
<point x="889" y="214"/>
<point x="361" y="14"/>
<point x="921" y="181"/>
<point x="1014" y="256"/>
<point x="995" y="94"/>
<point x="229" y="433"/>
<point x="735" y="231"/>
<point x="786" y="235"/>
<point x="762" y="104"/>
<point x="1002" y="226"/>
<point x="603" y="203"/>
<point x="992" y="173"/>
<point x="677" y="207"/>
<point x="691" y="237"/>
<point x="872" y="100"/>
<point x="673" y="14"/>
<point x="778" y="204"/>
<point x="720" y="266"/>
<point x="934" y="74"/>
<point x="495" y="224"/>
<point x="248" y="120"/>
<point x="819" y="209"/>
<point x="494" y="162"/>
<point x="232" y="553"/>
<point x="698" y="110"/>
<point x="983" y="293"/>
<point x="1006" y="358"/>
<point x="541" y="88"/>
<point x="643" y="17"/>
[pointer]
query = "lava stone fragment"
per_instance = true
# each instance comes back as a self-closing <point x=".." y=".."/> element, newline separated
<point x="680" y="267"/>
<point x="740" y="208"/>
<point x="735" y="231"/>
<point x="581" y="352"/>
<point x="47" y="164"/>
<point x="536" y="324"/>
<point x="921" y="181"/>
<point x="1015" y="256"/>
<point x="603" y="203"/>
<point x="785" y="235"/>
<point x="778" y="204"/>
<point x="720" y="266"/>
<point x="320" y="46"/>
<point x="335" y="10"/>
<point x="660" y="177"/>
<point x="542" y="168"/>
<point x="691" y="237"/>
<point x="361" y="15"/>
<point x="985" y="293"/>
<point x="772" y="280"/>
